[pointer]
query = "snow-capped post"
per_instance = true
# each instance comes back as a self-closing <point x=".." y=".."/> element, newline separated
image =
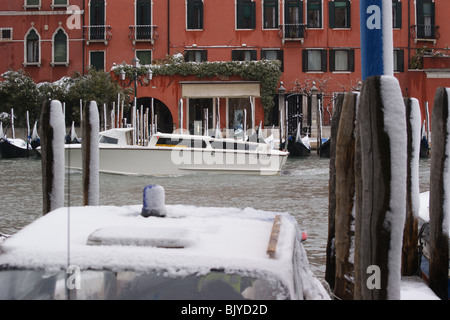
<point x="90" y="155"/>
<point x="382" y="121"/>
<point x="52" y="132"/>
<point x="330" y="269"/>
<point x="440" y="193"/>
<point x="377" y="49"/>
<point x="345" y="196"/>
<point x="410" y="235"/>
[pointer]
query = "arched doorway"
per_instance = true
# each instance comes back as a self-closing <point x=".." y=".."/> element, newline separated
<point x="164" y="116"/>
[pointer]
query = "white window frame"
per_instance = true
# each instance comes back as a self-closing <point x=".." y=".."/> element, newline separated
<point x="186" y="16"/>
<point x="307" y="19"/>
<point x="104" y="58"/>
<point x="32" y="6"/>
<point x="25" y="53"/>
<point x="66" y="63"/>
<point x="145" y="50"/>
<point x="6" y="39"/>
<point x="57" y="5"/>
<point x="262" y="16"/>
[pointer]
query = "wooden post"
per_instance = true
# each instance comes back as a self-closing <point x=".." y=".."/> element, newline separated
<point x="357" y="295"/>
<point x="330" y="269"/>
<point x="345" y="195"/>
<point x="439" y="194"/>
<point x="382" y="122"/>
<point x="52" y="132"/>
<point x="410" y="234"/>
<point x="90" y="155"/>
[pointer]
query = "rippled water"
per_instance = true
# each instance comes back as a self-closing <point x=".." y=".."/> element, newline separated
<point x="301" y="190"/>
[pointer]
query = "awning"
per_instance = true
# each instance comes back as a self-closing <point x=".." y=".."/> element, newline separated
<point x="212" y="89"/>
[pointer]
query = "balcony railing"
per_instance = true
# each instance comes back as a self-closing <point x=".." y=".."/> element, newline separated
<point x="425" y="32"/>
<point x="143" y="33"/>
<point x="293" y="31"/>
<point x="99" y="33"/>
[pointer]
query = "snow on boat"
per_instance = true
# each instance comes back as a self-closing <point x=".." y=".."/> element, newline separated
<point x="15" y="148"/>
<point x="167" y="154"/>
<point x="188" y="253"/>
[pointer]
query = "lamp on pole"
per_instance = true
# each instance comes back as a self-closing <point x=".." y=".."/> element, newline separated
<point x="136" y="77"/>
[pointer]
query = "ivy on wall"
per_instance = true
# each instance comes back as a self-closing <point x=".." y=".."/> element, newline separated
<point x="267" y="72"/>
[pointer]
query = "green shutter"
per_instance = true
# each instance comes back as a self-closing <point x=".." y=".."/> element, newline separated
<point x="349" y="12"/>
<point x="399" y="15"/>
<point x="253" y="15"/>
<point x="331" y="13"/>
<point x="332" y="60"/>
<point x="324" y="60"/>
<point x="98" y="60"/>
<point x="351" y="60"/>
<point x="305" y="60"/>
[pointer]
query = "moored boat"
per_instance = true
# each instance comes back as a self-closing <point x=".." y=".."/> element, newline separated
<point x="167" y="154"/>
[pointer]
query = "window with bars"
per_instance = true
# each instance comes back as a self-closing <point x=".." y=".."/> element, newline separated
<point x="314" y="60"/>
<point x="97" y="20"/>
<point x="245" y="14"/>
<point x="425" y="11"/>
<point x="195" y="14"/>
<point x="339" y="14"/>
<point x="293" y="19"/>
<point x="143" y="20"/>
<point x="270" y="14"/>
<point x="6" y="34"/>
<point x="314" y="14"/>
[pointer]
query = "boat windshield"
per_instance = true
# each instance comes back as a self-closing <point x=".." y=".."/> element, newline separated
<point x="123" y="285"/>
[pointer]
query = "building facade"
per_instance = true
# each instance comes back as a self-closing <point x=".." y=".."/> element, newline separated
<point x="317" y="42"/>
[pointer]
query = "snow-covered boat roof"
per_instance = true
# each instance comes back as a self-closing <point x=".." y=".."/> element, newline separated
<point x="120" y="238"/>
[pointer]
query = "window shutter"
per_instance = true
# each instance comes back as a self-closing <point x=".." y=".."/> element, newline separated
<point x="190" y="14"/>
<point x="300" y="11"/>
<point x="433" y="20"/>
<point x="253" y="55"/>
<point x="349" y="14"/>
<point x="351" y="60"/>
<point x="400" y="61"/>
<point x="305" y="60"/>
<point x="253" y="15"/>
<point x="281" y="58"/>
<point x="331" y="13"/>
<point x="204" y="55"/>
<point x="324" y="60"/>
<point x="399" y="15"/>
<point x="332" y="60"/>
<point x="200" y="3"/>
<point x="234" y="55"/>
<point x="240" y="14"/>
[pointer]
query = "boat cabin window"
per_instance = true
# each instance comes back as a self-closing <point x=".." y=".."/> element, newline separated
<point x="110" y="140"/>
<point x="232" y="145"/>
<point x="181" y="143"/>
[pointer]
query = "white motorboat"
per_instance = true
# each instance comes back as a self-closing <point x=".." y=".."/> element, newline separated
<point x="169" y="153"/>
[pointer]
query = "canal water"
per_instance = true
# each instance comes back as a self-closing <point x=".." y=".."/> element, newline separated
<point x="301" y="189"/>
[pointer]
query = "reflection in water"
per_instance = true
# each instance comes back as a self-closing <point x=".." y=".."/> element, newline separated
<point x="301" y="190"/>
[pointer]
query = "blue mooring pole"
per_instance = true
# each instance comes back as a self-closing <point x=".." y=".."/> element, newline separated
<point x="377" y="49"/>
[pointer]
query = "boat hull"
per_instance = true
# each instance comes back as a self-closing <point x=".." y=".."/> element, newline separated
<point x="11" y="151"/>
<point x="137" y="160"/>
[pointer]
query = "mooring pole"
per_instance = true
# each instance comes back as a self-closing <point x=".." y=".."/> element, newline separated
<point x="90" y="155"/>
<point x="382" y="121"/>
<point x="52" y="132"/>
<point x="440" y="193"/>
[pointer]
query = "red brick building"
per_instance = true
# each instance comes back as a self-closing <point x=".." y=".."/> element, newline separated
<point x="315" y="40"/>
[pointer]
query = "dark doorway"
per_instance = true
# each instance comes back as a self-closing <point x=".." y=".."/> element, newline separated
<point x="163" y="115"/>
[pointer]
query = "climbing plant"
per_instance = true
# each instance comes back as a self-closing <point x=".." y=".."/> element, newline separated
<point x="267" y="72"/>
